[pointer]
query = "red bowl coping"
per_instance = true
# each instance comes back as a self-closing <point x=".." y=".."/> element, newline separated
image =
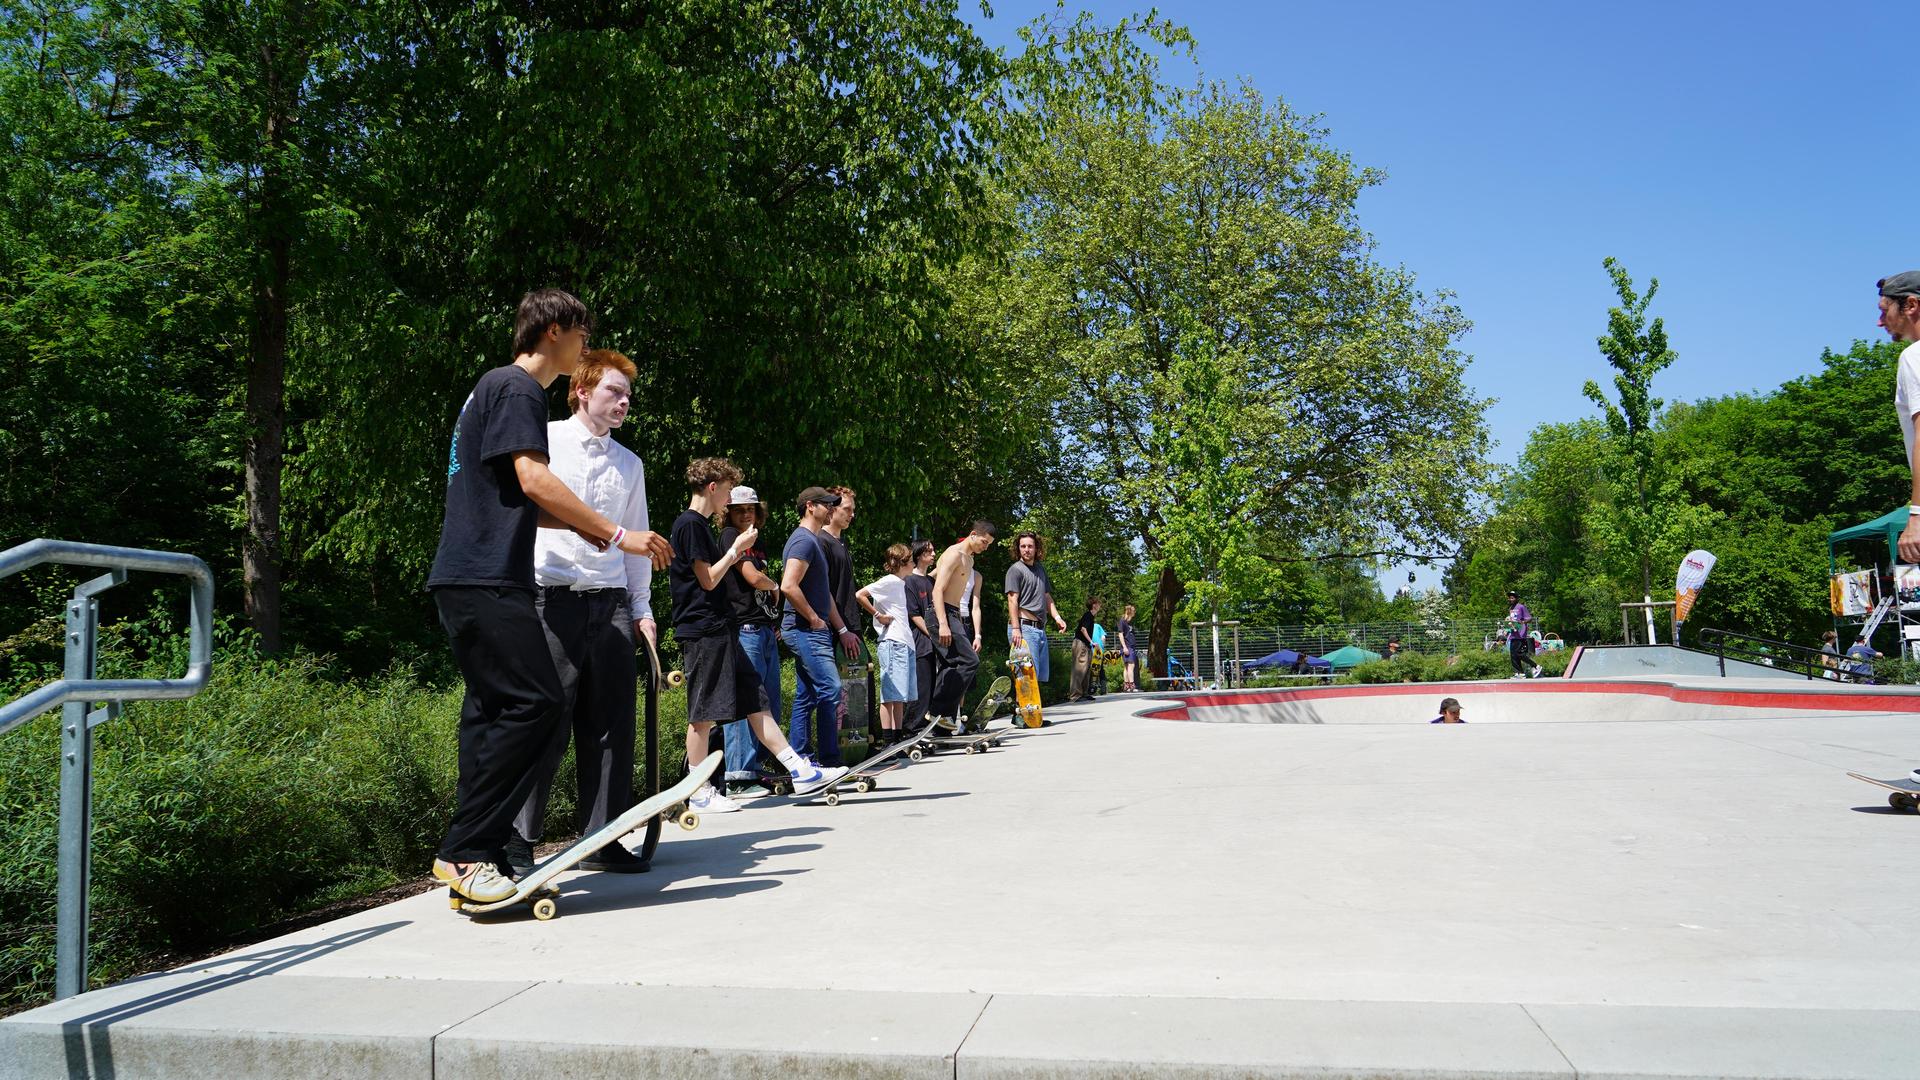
<point x="1752" y="698"/>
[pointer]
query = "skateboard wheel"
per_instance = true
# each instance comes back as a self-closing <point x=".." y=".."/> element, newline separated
<point x="689" y="821"/>
<point x="544" y="908"/>
<point x="972" y="750"/>
<point x="863" y="786"/>
<point x="916" y="754"/>
<point x="675" y="678"/>
<point x="833" y="798"/>
<point x="1902" y="801"/>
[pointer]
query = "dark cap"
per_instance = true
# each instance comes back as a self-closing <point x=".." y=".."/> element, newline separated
<point x="1907" y="284"/>
<point x="1449" y="703"/>
<point x="815" y="495"/>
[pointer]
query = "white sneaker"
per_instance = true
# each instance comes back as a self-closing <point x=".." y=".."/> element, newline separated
<point x="483" y="883"/>
<point x="810" y="780"/>
<point x="709" y="801"/>
<point x="951" y="724"/>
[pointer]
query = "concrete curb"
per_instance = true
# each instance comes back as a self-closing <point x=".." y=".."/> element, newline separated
<point x="296" y="1027"/>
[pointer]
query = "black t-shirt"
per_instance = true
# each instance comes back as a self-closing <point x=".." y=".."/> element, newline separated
<point x="920" y="602"/>
<point x="840" y="579"/>
<point x="1084" y="629"/>
<point x="486" y="537"/>
<point x="697" y="613"/>
<point x="742" y="605"/>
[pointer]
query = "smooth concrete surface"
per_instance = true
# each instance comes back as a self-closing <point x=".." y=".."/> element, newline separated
<point x="596" y="1032"/>
<point x="229" y="1023"/>
<point x="1685" y="869"/>
<point x="1102" y="1038"/>
<point x="1615" y="660"/>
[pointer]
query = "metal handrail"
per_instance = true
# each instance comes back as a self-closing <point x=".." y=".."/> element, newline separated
<point x="1809" y="662"/>
<point x="77" y="690"/>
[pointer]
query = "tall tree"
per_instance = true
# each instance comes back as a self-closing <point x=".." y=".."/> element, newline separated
<point x="1233" y="377"/>
<point x="1637" y="351"/>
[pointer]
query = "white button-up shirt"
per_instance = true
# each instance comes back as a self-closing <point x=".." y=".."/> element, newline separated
<point x="609" y="478"/>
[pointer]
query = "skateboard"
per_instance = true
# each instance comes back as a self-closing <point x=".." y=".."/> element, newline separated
<point x="650" y="685"/>
<point x="864" y="777"/>
<point x="856" y="709"/>
<point x="1026" y="689"/>
<point x="534" y="888"/>
<point x="1906" y="793"/>
<point x="974" y="736"/>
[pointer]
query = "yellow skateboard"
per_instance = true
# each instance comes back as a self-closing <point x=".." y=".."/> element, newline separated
<point x="1026" y="689"/>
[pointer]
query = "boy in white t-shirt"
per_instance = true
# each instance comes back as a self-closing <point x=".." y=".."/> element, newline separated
<point x="1900" y="317"/>
<point x="886" y="601"/>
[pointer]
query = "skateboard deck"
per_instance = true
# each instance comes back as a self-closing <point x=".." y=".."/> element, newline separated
<point x="862" y="777"/>
<point x="1906" y="793"/>
<point x="856" y="708"/>
<point x="1026" y="689"/>
<point x="650" y="776"/>
<point x="534" y="889"/>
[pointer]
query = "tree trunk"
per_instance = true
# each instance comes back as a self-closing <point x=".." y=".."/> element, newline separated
<point x="1166" y="599"/>
<point x="261" y="551"/>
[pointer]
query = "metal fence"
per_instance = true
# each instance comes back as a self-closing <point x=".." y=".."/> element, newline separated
<point x="78" y="691"/>
<point x="1446" y="639"/>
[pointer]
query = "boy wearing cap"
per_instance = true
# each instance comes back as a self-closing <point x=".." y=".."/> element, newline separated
<point x="499" y="493"/>
<point x="1449" y="712"/>
<point x="754" y="603"/>
<point x="1900" y="318"/>
<point x="722" y="685"/>
<point x="592" y="603"/>
<point x="1519" y="638"/>
<point x="811" y="627"/>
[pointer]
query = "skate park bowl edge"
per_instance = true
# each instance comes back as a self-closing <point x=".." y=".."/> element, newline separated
<point x="1538" y="701"/>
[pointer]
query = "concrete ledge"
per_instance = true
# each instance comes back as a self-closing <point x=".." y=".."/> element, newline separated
<point x="1622" y="1042"/>
<point x="1189" y="1038"/>
<point x="598" y="1032"/>
<point x="238" y="1025"/>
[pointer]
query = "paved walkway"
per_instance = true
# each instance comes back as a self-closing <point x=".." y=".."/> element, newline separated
<point x="1116" y="896"/>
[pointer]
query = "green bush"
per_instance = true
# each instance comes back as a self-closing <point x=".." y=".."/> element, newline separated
<point x="1473" y="665"/>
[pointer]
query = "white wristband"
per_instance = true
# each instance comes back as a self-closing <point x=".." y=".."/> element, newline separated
<point x="619" y="534"/>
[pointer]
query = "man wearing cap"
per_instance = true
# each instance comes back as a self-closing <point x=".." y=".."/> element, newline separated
<point x="810" y="628"/>
<point x="592" y="604"/>
<point x="754" y="603"/>
<point x="1449" y="712"/>
<point x="1900" y="318"/>
<point x="1520" y="638"/>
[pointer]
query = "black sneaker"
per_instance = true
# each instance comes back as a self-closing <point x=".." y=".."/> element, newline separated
<point x="614" y="859"/>
<point x="519" y="855"/>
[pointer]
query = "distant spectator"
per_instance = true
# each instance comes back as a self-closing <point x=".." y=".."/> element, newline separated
<point x="1449" y="712"/>
<point x="1129" y="651"/>
<point x="1863" y="656"/>
<point x="1830" y="654"/>
<point x="1520" y="638"/>
<point x="1393" y="648"/>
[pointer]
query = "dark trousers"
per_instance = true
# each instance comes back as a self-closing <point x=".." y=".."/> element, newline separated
<point x="953" y="666"/>
<point x="512" y="703"/>
<point x="1520" y="651"/>
<point x="923" y="682"/>
<point x="966" y="627"/>
<point x="590" y="637"/>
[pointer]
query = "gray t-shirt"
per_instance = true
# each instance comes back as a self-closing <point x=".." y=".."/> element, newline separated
<point x="1031" y="586"/>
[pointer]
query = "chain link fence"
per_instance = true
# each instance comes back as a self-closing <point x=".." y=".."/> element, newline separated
<point x="1445" y="639"/>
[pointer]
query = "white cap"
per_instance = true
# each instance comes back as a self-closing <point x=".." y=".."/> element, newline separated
<point x="744" y="496"/>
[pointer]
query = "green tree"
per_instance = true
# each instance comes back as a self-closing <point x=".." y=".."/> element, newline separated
<point x="1637" y="352"/>
<point x="1234" y="378"/>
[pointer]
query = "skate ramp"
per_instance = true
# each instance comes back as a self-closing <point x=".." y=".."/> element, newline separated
<point x="1616" y="661"/>
<point x="1555" y="701"/>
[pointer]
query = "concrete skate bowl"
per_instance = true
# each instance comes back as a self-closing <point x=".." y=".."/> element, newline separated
<point x="1554" y="701"/>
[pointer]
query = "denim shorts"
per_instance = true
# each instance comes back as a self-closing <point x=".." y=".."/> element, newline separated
<point x="897" y="682"/>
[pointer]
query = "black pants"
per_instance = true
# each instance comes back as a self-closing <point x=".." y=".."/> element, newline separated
<point x="590" y="637"/>
<point x="923" y="682"/>
<point x="1520" y="651"/>
<point x="512" y="703"/>
<point x="953" y="665"/>
<point x="966" y="627"/>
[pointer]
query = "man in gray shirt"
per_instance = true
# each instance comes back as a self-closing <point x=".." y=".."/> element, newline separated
<point x="1030" y="602"/>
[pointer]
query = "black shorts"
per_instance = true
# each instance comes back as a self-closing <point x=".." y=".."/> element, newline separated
<point x="722" y="685"/>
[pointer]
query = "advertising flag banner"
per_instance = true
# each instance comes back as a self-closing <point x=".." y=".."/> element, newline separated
<point x="1686" y="584"/>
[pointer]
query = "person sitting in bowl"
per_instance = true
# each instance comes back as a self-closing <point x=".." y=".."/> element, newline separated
<point x="1449" y="712"/>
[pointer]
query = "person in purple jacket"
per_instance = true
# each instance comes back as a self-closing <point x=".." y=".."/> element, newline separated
<point x="1520" y="638"/>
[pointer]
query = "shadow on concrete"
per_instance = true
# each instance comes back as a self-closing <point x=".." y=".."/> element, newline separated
<point x="89" y="1045"/>
<point x="1882" y="808"/>
<point x="857" y="800"/>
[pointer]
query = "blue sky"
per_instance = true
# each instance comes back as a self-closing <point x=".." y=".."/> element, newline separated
<point x="1752" y="158"/>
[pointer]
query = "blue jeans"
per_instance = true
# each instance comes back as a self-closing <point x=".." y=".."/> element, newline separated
<point x="763" y="650"/>
<point x="814" y="726"/>
<point x="1036" y="639"/>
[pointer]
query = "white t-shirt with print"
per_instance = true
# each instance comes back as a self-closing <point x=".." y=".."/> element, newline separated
<point x="1906" y="394"/>
<point x="889" y="597"/>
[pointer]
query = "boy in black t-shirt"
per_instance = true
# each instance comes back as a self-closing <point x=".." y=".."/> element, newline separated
<point x="499" y="490"/>
<point x="722" y="685"/>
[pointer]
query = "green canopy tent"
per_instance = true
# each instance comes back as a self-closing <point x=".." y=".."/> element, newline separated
<point x="1349" y="656"/>
<point x="1886" y="527"/>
